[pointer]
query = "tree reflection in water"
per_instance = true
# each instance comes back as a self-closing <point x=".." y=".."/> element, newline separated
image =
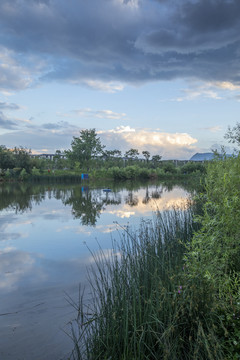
<point x="131" y="199"/>
<point x="88" y="204"/>
<point x="20" y="197"/>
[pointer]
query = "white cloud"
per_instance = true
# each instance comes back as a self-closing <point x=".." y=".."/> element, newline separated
<point x="122" y="213"/>
<point x="13" y="266"/>
<point x="119" y="130"/>
<point x="100" y="114"/>
<point x="110" y="87"/>
<point x="215" y="90"/>
<point x="196" y="91"/>
<point x="226" y="85"/>
<point x="169" y="145"/>
<point x="13" y="76"/>
<point x="213" y="129"/>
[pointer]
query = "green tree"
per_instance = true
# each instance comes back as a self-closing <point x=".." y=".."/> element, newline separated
<point x="132" y="154"/>
<point x="22" y="158"/>
<point x="7" y="160"/>
<point x="146" y="154"/>
<point x="85" y="147"/>
<point x="58" y="160"/>
<point x="156" y="160"/>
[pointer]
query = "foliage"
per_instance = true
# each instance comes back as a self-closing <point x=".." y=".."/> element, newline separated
<point x="7" y="160"/>
<point x="156" y="160"/>
<point x="143" y="304"/>
<point x="88" y="155"/>
<point x="171" y="290"/>
<point x="132" y="153"/>
<point x="169" y="168"/>
<point x="22" y="158"/>
<point x="35" y="171"/>
<point x="146" y="154"/>
<point x="215" y="253"/>
<point x="233" y="134"/>
<point x="23" y="174"/>
<point x="85" y="147"/>
<point x="192" y="167"/>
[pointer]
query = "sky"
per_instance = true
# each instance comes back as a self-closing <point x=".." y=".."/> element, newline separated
<point x="156" y="75"/>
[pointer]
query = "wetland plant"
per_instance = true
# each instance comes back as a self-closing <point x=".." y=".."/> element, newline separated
<point x="144" y="303"/>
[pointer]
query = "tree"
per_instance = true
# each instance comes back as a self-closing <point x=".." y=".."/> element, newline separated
<point x="58" y="160"/>
<point x="132" y="154"/>
<point x="156" y="159"/>
<point x="85" y="147"/>
<point x="233" y="134"/>
<point x="117" y="153"/>
<point x="7" y="160"/>
<point x="22" y="158"/>
<point x="146" y="154"/>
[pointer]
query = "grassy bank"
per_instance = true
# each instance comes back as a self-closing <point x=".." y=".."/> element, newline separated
<point x="170" y="290"/>
<point x="144" y="306"/>
<point x="132" y="172"/>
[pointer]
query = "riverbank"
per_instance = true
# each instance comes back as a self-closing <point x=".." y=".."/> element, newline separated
<point x="170" y="290"/>
<point x="113" y="173"/>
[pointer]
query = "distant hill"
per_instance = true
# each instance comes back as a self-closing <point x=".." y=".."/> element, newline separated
<point x="202" y="156"/>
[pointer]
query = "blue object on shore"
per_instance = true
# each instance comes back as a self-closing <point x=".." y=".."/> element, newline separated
<point x="84" y="188"/>
<point x="107" y="190"/>
<point x="84" y="176"/>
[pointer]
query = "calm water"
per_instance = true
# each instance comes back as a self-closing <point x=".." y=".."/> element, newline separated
<point x="45" y="236"/>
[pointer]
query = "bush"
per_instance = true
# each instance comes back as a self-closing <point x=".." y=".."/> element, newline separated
<point x="35" y="171"/>
<point x="169" y="168"/>
<point x="215" y="251"/>
<point x="193" y="167"/>
<point x="23" y="174"/>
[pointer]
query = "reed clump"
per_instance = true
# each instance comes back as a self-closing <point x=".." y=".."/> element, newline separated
<point x="144" y="303"/>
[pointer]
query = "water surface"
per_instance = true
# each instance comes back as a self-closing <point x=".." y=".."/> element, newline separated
<point x="46" y="234"/>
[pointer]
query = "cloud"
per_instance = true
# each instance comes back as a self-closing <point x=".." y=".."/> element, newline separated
<point x="119" y="130"/>
<point x="122" y="213"/>
<point x="12" y="123"/>
<point x="50" y="138"/>
<point x="13" y="74"/>
<point x="120" y="42"/>
<point x="100" y="114"/>
<point x="6" y="123"/>
<point x="38" y="139"/>
<point x="14" y="265"/>
<point x="213" y="129"/>
<point x="227" y="85"/>
<point x="9" y="106"/>
<point x="169" y="145"/>
<point x="215" y="90"/>
<point x="198" y="92"/>
<point x="57" y="126"/>
<point x="110" y="87"/>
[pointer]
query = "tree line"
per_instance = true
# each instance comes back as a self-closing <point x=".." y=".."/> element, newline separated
<point x="87" y="154"/>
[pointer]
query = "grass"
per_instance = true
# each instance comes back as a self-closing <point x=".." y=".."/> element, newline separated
<point x="144" y="303"/>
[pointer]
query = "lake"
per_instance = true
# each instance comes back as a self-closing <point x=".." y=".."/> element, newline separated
<point x="47" y="233"/>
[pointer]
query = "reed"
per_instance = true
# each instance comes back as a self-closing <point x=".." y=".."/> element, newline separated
<point x="144" y="304"/>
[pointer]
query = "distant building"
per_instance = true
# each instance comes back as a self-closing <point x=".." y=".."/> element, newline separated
<point x="47" y="156"/>
<point x="206" y="156"/>
<point x="202" y="157"/>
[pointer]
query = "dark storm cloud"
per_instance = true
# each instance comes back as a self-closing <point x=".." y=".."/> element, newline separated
<point x="120" y="40"/>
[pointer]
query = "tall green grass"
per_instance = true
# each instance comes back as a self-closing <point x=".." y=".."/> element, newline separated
<point x="144" y="303"/>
